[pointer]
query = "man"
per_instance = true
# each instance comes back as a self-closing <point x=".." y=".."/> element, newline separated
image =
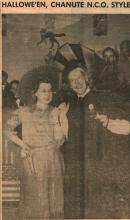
<point x="5" y="90"/>
<point x="96" y="161"/>
<point x="14" y="89"/>
<point x="83" y="139"/>
<point x="9" y="97"/>
<point x="125" y="50"/>
<point x="8" y="100"/>
<point x="109" y="78"/>
<point x="124" y="66"/>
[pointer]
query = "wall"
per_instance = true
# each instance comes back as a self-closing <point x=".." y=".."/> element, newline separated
<point x="20" y="50"/>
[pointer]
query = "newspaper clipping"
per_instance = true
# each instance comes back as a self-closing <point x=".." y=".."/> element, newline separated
<point x="65" y="109"/>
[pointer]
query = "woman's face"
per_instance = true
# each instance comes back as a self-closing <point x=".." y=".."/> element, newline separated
<point x="44" y="93"/>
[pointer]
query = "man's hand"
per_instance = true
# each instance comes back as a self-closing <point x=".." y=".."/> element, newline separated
<point x="102" y="118"/>
<point x="64" y="108"/>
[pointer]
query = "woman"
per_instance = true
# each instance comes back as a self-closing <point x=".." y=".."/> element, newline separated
<point x="42" y="136"/>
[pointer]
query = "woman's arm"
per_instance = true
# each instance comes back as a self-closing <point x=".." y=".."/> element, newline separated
<point x="63" y="109"/>
<point x="11" y="135"/>
<point x="119" y="126"/>
<point x="59" y="134"/>
<point x="9" y="128"/>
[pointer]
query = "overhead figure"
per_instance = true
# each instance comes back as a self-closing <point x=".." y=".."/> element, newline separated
<point x="51" y="36"/>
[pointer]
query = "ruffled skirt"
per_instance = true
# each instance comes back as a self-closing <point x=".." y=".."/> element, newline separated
<point x="42" y="185"/>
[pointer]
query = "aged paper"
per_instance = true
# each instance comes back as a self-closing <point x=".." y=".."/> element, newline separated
<point x="65" y="109"/>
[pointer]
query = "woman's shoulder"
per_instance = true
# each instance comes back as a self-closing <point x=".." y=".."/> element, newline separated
<point x="27" y="108"/>
<point x="23" y="111"/>
<point x="61" y="107"/>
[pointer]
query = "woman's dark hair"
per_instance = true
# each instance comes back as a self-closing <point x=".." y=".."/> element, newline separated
<point x="31" y="80"/>
<point x="39" y="81"/>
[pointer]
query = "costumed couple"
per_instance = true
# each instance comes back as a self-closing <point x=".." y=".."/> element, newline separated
<point x="60" y="149"/>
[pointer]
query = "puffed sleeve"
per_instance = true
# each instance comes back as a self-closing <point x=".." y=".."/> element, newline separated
<point x="13" y="121"/>
<point x="11" y="128"/>
<point x="119" y="126"/>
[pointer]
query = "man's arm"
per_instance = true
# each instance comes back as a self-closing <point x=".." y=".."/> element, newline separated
<point x="116" y="126"/>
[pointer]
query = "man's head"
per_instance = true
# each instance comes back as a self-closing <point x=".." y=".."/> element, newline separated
<point x="4" y="77"/>
<point x="14" y="87"/>
<point x="78" y="81"/>
<point x="125" y="48"/>
<point x="110" y="56"/>
<point x="76" y="77"/>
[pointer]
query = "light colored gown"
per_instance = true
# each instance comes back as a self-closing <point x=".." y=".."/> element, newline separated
<point x="42" y="183"/>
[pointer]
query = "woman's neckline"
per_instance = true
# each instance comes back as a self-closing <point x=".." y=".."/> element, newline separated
<point x="41" y="106"/>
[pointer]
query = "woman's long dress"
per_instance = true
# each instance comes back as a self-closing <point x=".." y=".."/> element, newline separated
<point x="42" y="183"/>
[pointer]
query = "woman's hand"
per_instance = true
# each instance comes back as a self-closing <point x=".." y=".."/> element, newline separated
<point x="59" y="113"/>
<point x="25" y="151"/>
<point x="63" y="108"/>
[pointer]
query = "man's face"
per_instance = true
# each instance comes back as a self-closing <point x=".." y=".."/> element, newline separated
<point x="125" y="50"/>
<point x="109" y="57"/>
<point x="15" y="88"/>
<point x="77" y="81"/>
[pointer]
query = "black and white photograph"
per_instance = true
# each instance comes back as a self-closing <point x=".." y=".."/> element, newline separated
<point x="65" y="116"/>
